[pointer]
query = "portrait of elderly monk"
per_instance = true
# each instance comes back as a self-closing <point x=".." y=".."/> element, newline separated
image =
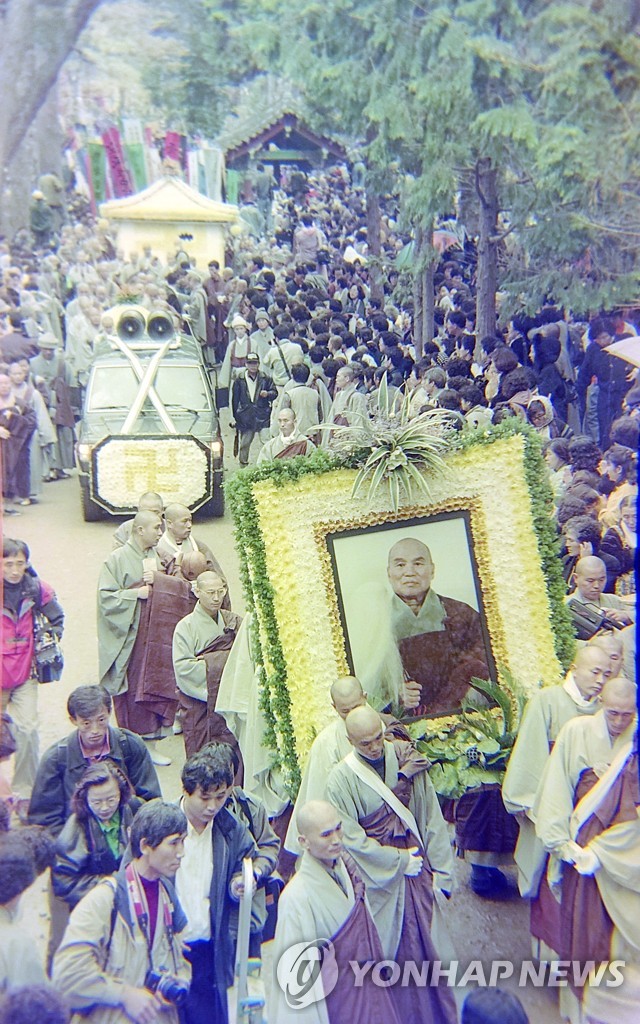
<point x="413" y="645"/>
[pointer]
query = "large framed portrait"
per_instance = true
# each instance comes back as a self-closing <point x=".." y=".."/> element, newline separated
<point x="462" y="584"/>
<point x="411" y="608"/>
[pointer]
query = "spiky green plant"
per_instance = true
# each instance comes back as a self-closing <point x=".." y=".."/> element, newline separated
<point x="393" y="450"/>
<point x="474" y="747"/>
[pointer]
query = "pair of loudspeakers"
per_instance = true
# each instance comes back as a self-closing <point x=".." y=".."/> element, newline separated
<point x="132" y="326"/>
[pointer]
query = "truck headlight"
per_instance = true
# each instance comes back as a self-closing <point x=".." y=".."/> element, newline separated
<point x="217" y="448"/>
<point x="84" y="452"/>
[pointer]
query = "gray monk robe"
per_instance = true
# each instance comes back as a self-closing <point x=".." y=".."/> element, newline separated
<point x="119" y="612"/>
<point x="321" y="904"/>
<point x="377" y="833"/>
<point x="327" y="749"/>
<point x="546" y="712"/>
<point x="201" y="646"/>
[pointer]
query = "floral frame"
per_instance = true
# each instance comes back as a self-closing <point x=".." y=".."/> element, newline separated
<point x="285" y="510"/>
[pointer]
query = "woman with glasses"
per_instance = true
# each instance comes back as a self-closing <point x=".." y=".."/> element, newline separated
<point x="94" y="838"/>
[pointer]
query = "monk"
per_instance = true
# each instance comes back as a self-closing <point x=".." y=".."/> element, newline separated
<point x="331" y="745"/>
<point x="288" y="443"/>
<point x="138" y="608"/>
<point x="177" y="541"/>
<point x="326" y="899"/>
<point x="395" y="832"/>
<point x="586" y="817"/>
<point x="201" y="644"/>
<point x="546" y="712"/>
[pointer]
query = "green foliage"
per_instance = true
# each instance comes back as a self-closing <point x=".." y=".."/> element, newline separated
<point x="478" y="727"/>
<point x="393" y="450"/>
<point x="475" y="748"/>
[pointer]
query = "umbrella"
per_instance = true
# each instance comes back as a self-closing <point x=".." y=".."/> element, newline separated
<point x="627" y="349"/>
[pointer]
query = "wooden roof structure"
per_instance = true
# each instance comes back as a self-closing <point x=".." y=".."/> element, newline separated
<point x="282" y="132"/>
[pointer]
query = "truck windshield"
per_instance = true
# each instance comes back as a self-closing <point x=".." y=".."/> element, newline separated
<point x="179" y="387"/>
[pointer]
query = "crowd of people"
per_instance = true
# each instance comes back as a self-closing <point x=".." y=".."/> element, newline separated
<point x="298" y="332"/>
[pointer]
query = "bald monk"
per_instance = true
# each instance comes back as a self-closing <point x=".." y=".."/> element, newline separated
<point x="590" y="577"/>
<point x="326" y="899"/>
<point x="394" y="830"/>
<point x="586" y="817"/>
<point x="150" y="501"/>
<point x="201" y="644"/>
<point x="546" y="712"/>
<point x="613" y="646"/>
<point x="178" y="541"/>
<point x="331" y="745"/>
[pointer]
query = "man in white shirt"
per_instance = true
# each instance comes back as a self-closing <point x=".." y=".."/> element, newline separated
<point x="209" y="883"/>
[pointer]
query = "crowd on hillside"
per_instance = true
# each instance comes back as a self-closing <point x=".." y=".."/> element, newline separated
<point x="298" y="332"/>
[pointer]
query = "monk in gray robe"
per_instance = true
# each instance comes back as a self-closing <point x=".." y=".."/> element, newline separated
<point x="587" y="818"/>
<point x="326" y="899"/>
<point x="546" y="712"/>
<point x="394" y="830"/>
<point x="288" y="442"/>
<point x="201" y="645"/>
<point x="138" y="607"/>
<point x="178" y="541"/>
<point x="124" y="583"/>
<point x="331" y="745"/>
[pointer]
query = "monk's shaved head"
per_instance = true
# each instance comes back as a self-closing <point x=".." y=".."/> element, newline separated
<point x="619" y="689"/>
<point x="346" y="686"/>
<point x="365" y="730"/>
<point x="320" y="831"/>
<point x="175" y="510"/>
<point x="612" y="645"/>
<point x="209" y="579"/>
<point x="409" y="547"/>
<point x="144" y="519"/>
<point x="618" y="699"/>
<point x="193" y="564"/>
<point x="314" y="816"/>
<point x="589" y="564"/>
<point x="150" y="501"/>
<point x="361" y="720"/>
<point x="347" y="694"/>
<point x="591" y="668"/>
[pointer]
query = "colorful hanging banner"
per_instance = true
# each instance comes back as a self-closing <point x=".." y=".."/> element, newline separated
<point x="134" y="152"/>
<point x="98" y="170"/>
<point x="173" y="147"/>
<point x="120" y="176"/>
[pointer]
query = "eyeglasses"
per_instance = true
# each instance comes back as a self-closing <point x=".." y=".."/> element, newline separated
<point x="107" y="801"/>
<point x="220" y="592"/>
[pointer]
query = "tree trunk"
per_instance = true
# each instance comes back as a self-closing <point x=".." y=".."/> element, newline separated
<point x="487" y="192"/>
<point x="418" y="294"/>
<point x="36" y="37"/>
<point x="428" y="305"/>
<point x="374" y="243"/>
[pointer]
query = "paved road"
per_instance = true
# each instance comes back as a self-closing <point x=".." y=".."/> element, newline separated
<point x="67" y="553"/>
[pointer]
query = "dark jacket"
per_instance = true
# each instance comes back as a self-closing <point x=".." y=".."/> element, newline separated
<point x="63" y="765"/>
<point x="618" y="558"/>
<point x="83" y="856"/>
<point x="231" y="843"/>
<point x="256" y="414"/>
<point x="253" y="814"/>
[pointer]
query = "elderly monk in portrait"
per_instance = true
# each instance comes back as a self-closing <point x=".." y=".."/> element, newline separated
<point x="412" y="644"/>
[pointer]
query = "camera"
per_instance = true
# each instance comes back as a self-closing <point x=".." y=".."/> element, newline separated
<point x="173" y="989"/>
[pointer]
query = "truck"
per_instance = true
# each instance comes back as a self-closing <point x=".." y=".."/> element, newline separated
<point x="149" y="421"/>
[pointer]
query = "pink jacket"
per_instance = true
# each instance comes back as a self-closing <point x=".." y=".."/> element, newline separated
<point x="17" y="631"/>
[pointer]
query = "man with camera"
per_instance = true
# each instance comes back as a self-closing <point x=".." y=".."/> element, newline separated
<point x="122" y="958"/>
<point x="591" y="609"/>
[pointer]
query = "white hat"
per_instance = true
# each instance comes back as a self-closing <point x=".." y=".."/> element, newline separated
<point x="239" y="321"/>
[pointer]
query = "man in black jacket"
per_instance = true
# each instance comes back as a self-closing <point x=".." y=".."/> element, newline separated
<point x="92" y="740"/>
<point x="252" y="397"/>
<point x="64" y="764"/>
<point x="209" y="882"/>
